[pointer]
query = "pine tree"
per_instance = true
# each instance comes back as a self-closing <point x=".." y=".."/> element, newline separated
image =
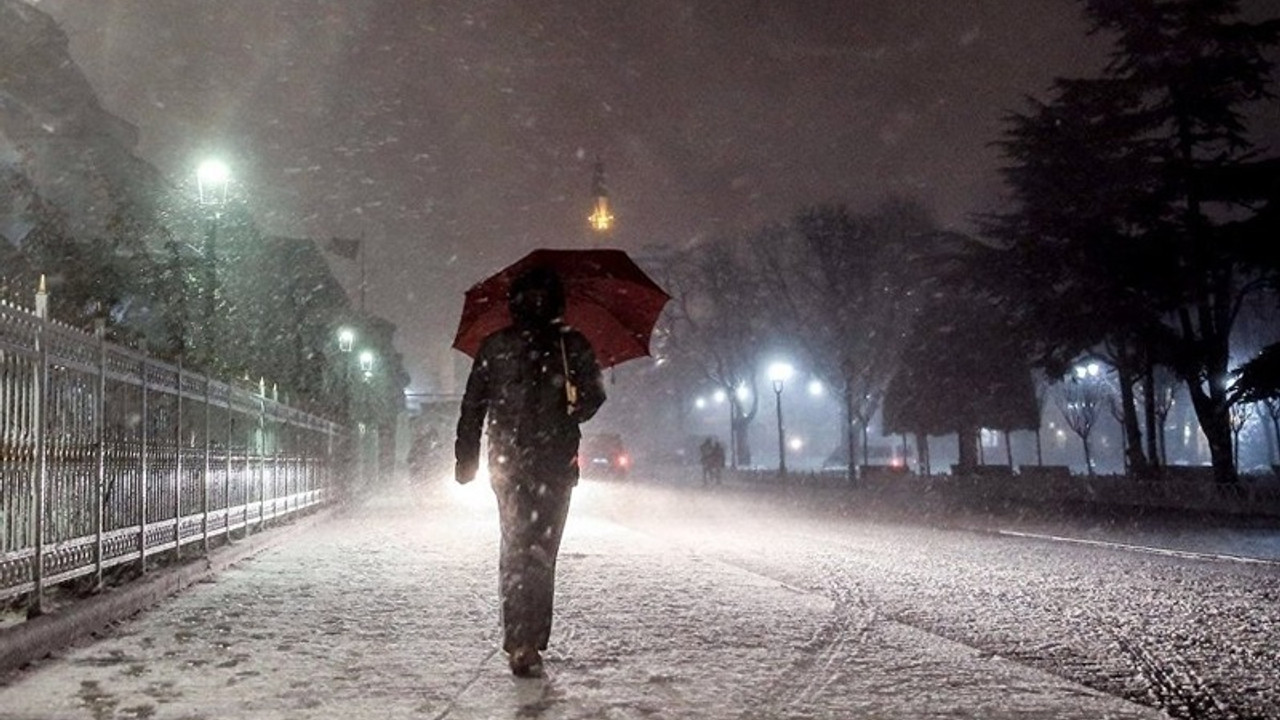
<point x="1126" y="229"/>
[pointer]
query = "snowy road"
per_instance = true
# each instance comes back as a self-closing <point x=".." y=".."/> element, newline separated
<point x="1176" y="618"/>
<point x="679" y="603"/>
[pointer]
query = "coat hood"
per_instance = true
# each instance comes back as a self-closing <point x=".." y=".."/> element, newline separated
<point x="536" y="299"/>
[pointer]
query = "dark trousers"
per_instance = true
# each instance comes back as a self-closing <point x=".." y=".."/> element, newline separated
<point x="532" y="517"/>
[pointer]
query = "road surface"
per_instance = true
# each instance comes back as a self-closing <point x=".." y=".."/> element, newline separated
<point x="679" y="602"/>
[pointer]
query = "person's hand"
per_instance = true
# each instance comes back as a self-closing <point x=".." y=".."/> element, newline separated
<point x="464" y="472"/>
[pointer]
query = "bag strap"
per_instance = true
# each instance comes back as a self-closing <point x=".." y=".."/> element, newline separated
<point x="570" y="390"/>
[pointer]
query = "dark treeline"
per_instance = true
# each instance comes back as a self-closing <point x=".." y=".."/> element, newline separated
<point x="1139" y="236"/>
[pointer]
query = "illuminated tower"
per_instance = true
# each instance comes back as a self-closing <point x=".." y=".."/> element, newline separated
<point x="601" y="219"/>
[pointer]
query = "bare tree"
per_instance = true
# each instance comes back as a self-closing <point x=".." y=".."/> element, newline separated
<point x="714" y="326"/>
<point x="1080" y="400"/>
<point x="839" y="286"/>
<point x="1162" y="388"/>
<point x="1241" y="414"/>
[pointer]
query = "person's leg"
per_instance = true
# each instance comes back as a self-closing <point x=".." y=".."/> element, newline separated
<point x="532" y="526"/>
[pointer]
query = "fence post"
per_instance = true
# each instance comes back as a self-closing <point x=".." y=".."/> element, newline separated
<point x="226" y="466"/>
<point x="262" y="467"/>
<point x="177" y="473"/>
<point x="248" y="473"/>
<point x="41" y="386"/>
<point x="142" y="479"/>
<point x="100" y="458"/>
<point x="204" y="503"/>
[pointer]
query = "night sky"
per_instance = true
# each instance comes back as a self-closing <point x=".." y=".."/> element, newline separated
<point x="456" y="135"/>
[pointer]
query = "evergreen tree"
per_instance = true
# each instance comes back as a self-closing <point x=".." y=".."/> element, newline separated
<point x="1125" y="230"/>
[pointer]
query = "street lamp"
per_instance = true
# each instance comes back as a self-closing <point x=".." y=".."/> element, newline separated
<point x="212" y="179"/>
<point x="346" y="341"/>
<point x="779" y="373"/>
<point x="366" y="364"/>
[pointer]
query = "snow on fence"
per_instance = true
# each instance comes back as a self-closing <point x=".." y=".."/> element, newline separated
<point x="110" y="457"/>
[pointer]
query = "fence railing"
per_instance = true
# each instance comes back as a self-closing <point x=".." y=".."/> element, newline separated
<point x="110" y="457"/>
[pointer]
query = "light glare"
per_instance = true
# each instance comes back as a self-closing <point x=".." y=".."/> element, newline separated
<point x="781" y="372"/>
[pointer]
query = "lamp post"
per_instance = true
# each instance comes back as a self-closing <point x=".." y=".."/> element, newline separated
<point x="346" y="340"/>
<point x="212" y="178"/>
<point x="779" y="373"/>
<point x="368" y="446"/>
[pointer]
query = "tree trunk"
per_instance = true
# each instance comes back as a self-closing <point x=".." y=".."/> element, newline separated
<point x="1088" y="456"/>
<point x="1164" y="447"/>
<point x="1275" y="446"/>
<point x="1008" y="450"/>
<point x="1039" y="448"/>
<point x="922" y="455"/>
<point x="866" y="451"/>
<point x="1235" y="447"/>
<point x="1154" y="456"/>
<point x="732" y="433"/>
<point x="740" y="441"/>
<point x="967" y="454"/>
<point x="1215" y="422"/>
<point x="848" y="433"/>
<point x="1134" y="456"/>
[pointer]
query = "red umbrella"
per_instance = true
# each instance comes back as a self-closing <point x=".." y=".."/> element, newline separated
<point x="607" y="297"/>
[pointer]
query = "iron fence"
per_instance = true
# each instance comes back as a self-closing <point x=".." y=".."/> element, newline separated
<point x="110" y="457"/>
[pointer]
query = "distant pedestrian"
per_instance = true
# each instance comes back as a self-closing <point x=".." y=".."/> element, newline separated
<point x="706" y="458"/>
<point x="534" y="381"/>
<point x="717" y="461"/>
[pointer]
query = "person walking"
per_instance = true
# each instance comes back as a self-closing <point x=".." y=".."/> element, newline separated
<point x="530" y="386"/>
<point x="707" y="457"/>
<point x="717" y="461"/>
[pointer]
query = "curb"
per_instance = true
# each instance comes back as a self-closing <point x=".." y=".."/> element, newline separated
<point x="42" y="636"/>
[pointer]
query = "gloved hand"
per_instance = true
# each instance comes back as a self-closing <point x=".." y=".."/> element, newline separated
<point x="464" y="472"/>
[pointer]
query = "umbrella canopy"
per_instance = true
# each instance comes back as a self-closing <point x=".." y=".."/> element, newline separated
<point x="608" y="298"/>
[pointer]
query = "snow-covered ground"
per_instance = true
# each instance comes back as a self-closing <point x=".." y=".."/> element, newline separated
<point x="683" y="603"/>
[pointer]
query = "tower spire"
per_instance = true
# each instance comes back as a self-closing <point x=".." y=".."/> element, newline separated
<point x="601" y="219"/>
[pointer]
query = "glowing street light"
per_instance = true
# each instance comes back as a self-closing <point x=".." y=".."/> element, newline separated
<point x="1088" y="370"/>
<point x="346" y="339"/>
<point x="212" y="178"/>
<point x="366" y="363"/>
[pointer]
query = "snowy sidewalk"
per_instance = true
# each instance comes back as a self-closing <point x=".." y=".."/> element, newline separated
<point x="390" y="611"/>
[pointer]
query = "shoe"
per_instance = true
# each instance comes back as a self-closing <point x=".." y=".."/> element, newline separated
<point x="525" y="662"/>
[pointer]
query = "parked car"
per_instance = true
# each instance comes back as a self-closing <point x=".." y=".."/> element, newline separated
<point x="603" y="454"/>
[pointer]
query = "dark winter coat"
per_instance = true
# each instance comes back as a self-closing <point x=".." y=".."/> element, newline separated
<point x="518" y="384"/>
